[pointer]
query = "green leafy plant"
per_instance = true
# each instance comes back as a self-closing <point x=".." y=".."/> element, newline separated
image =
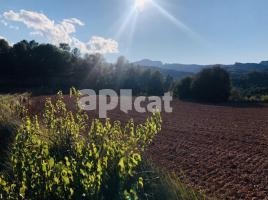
<point x="59" y="156"/>
<point x="264" y="98"/>
<point x="10" y="111"/>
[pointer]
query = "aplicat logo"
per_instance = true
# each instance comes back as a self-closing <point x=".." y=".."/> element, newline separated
<point x="108" y="100"/>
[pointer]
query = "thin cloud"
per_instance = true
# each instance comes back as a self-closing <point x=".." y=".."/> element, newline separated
<point x="61" y="32"/>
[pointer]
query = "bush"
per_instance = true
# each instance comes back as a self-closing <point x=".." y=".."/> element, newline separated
<point x="264" y="98"/>
<point x="60" y="157"/>
<point x="212" y="85"/>
<point x="236" y="95"/>
<point x="183" y="88"/>
<point x="10" y="110"/>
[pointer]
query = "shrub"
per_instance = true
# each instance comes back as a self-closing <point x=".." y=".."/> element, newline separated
<point x="60" y="157"/>
<point x="183" y="88"/>
<point x="212" y="85"/>
<point x="264" y="98"/>
<point x="10" y="110"/>
<point x="236" y="95"/>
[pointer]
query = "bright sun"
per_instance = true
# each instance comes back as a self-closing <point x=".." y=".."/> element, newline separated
<point x="140" y="4"/>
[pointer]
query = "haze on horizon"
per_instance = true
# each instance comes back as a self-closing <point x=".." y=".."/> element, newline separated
<point x="174" y="31"/>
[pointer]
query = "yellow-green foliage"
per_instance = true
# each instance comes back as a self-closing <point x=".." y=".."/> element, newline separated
<point x="264" y="98"/>
<point x="61" y="157"/>
<point x="10" y="110"/>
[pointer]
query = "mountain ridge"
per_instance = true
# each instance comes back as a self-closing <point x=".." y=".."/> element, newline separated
<point x="195" y="68"/>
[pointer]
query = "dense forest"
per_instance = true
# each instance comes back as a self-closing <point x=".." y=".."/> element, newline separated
<point x="251" y="84"/>
<point x="209" y="85"/>
<point x="45" y="68"/>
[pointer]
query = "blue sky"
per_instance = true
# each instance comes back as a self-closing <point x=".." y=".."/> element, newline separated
<point x="181" y="31"/>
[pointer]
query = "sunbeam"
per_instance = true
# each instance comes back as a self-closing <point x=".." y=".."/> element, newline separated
<point x="131" y="18"/>
<point x="125" y="23"/>
<point x="175" y="21"/>
<point x="128" y="25"/>
<point x="127" y="28"/>
<point x="132" y="30"/>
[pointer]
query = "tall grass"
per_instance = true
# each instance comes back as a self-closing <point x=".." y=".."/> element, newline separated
<point x="160" y="184"/>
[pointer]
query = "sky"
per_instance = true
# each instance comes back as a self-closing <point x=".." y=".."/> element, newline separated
<point x="171" y="31"/>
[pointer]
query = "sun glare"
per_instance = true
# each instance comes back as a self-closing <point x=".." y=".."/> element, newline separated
<point x="137" y="9"/>
<point x="140" y="4"/>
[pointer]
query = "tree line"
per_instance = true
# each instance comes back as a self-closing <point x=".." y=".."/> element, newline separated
<point x="209" y="85"/>
<point x="46" y="69"/>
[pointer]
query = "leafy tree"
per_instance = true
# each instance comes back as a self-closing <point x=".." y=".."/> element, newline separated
<point x="4" y="47"/>
<point x="4" y="57"/>
<point x="121" y="62"/>
<point x="65" y="47"/>
<point x="33" y="44"/>
<point x="132" y="80"/>
<point x="168" y="83"/>
<point x="212" y="84"/>
<point x="156" y="85"/>
<point x="145" y="79"/>
<point x="76" y="52"/>
<point x="183" y="89"/>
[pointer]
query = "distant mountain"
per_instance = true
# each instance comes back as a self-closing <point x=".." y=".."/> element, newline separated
<point x="248" y="67"/>
<point x="181" y="70"/>
<point x="149" y="63"/>
<point x="264" y="63"/>
<point x="171" y="72"/>
<point x="188" y="68"/>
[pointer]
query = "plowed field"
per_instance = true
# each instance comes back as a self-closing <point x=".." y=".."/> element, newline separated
<point x="221" y="149"/>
